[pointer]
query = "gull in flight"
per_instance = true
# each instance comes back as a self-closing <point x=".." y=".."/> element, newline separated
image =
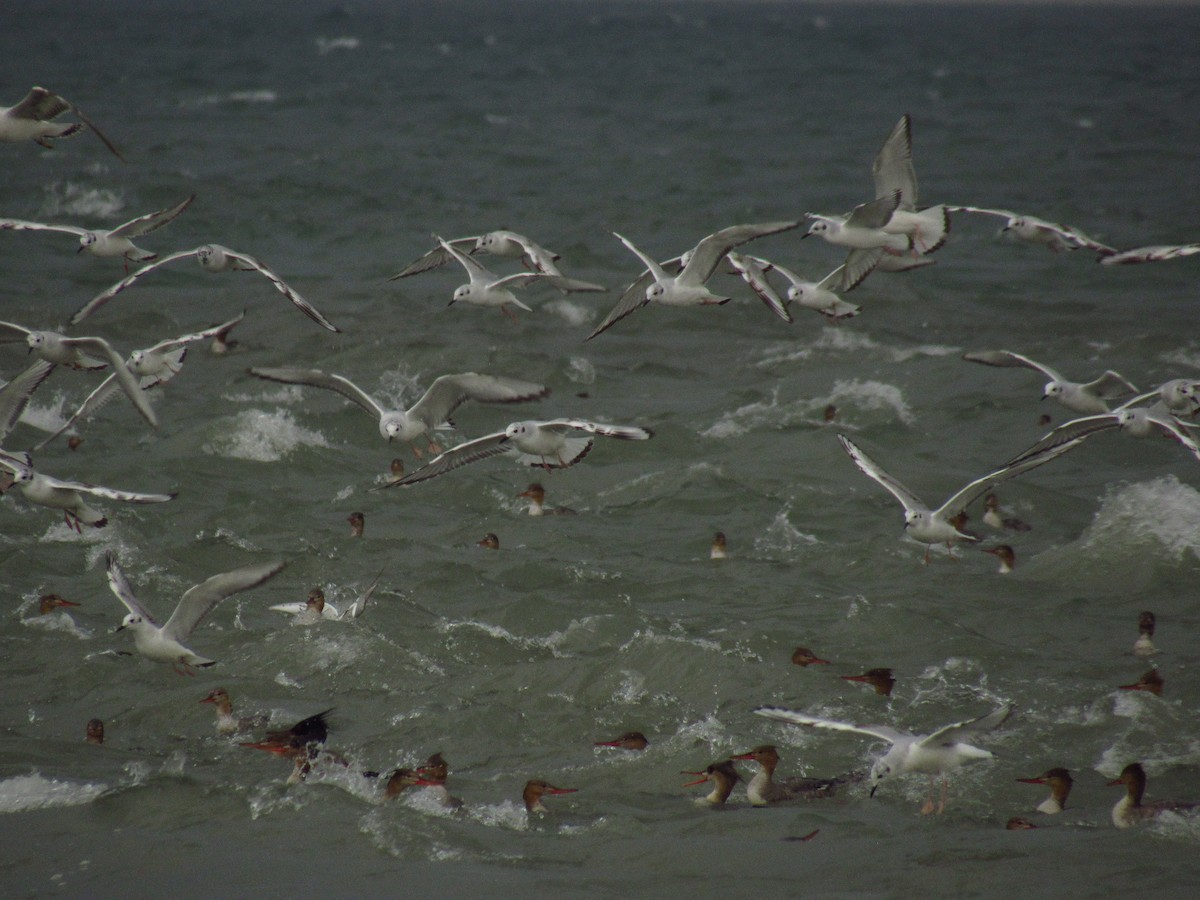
<point x="118" y="241"/>
<point x="1038" y="231"/>
<point x="507" y="244"/>
<point x="1085" y="398"/>
<point x="151" y="367"/>
<point x="14" y="396"/>
<point x="894" y="173"/>
<point x="33" y="120"/>
<point x="45" y="490"/>
<point x="934" y="526"/>
<point x="818" y="296"/>
<point x="687" y="288"/>
<point x="212" y="258"/>
<point x="862" y="230"/>
<point x="165" y="643"/>
<point x="1153" y="253"/>
<point x="72" y="352"/>
<point x="933" y="754"/>
<point x="548" y="445"/>
<point x="444" y="396"/>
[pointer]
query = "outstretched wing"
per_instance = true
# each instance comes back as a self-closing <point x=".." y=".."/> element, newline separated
<point x="108" y="493"/>
<point x="448" y="392"/>
<point x="40" y="105"/>
<point x="22" y="225"/>
<point x="454" y="458"/>
<point x="910" y="501"/>
<point x="893" y="166"/>
<point x="280" y="285"/>
<point x="151" y="221"/>
<point x="104" y="296"/>
<point x="14" y="396"/>
<point x="964" y="731"/>
<point x="360" y="603"/>
<point x="199" y="600"/>
<point x="435" y="258"/>
<point x="795" y="717"/>
<point x="707" y="254"/>
<point x="317" y="378"/>
<point x="754" y="273"/>
<point x="121" y="371"/>
<point x="120" y="586"/>
<point x="623" y="432"/>
<point x="1006" y="359"/>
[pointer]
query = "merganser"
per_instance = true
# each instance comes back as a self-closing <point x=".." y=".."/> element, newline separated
<point x="830" y="413"/>
<point x="934" y="754"/>
<point x="47" y="603"/>
<point x="163" y="644"/>
<point x="1129" y="809"/>
<point x="764" y="790"/>
<point x="316" y="608"/>
<point x="630" y="740"/>
<point x="435" y="771"/>
<point x="802" y="656"/>
<point x="1144" y="645"/>
<point x="717" y="550"/>
<point x="535" y="789"/>
<point x="992" y="517"/>
<point x="879" y="679"/>
<point x="396" y="469"/>
<point x="1151" y="681"/>
<point x="723" y="776"/>
<point x="536" y="494"/>
<point x="489" y="541"/>
<point x="300" y="743"/>
<point x="74" y="441"/>
<point x="1059" y="780"/>
<point x="227" y="722"/>
<point x="1019" y="823"/>
<point x="95" y="731"/>
<point x="1006" y="555"/>
<point x="357" y="523"/>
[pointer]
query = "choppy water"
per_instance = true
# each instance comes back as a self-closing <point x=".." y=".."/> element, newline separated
<point x="330" y="142"/>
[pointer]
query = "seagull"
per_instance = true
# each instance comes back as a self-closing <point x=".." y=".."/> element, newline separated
<point x="933" y="526"/>
<point x="1086" y="398"/>
<point x="687" y="287"/>
<point x="152" y="366"/>
<point x="1038" y="231"/>
<point x="163" y="643"/>
<point x="212" y="258"/>
<point x="933" y="754"/>
<point x="316" y="608"/>
<point x="816" y="295"/>
<point x="14" y="396"/>
<point x="754" y="272"/>
<point x="73" y="352"/>
<point x="33" y="119"/>
<point x="444" y="396"/>
<point x="489" y="289"/>
<point x="1139" y="421"/>
<point x="1153" y="253"/>
<point x="543" y="444"/>
<point x="862" y="231"/>
<point x="118" y="241"/>
<point x="893" y="172"/>
<point x="45" y="490"/>
<point x="507" y="244"/>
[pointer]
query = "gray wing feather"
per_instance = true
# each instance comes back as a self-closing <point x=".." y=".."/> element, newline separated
<point x="198" y="601"/>
<point x="319" y="379"/>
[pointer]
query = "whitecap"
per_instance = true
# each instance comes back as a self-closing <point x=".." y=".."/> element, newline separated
<point x="25" y="792"/>
<point x="74" y="200"/>
<point x="1162" y="515"/>
<point x="570" y="312"/>
<point x="261" y="436"/>
<point x="345" y="42"/>
<point x="580" y="370"/>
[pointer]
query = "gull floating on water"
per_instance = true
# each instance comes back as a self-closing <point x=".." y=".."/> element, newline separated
<point x="893" y="172"/>
<point x="116" y="242"/>
<point x="547" y="445"/>
<point x="164" y="643"/>
<point x="45" y="490"/>
<point x="1038" y="231"/>
<point x="933" y="754"/>
<point x="151" y="366"/>
<point x="445" y="395"/>
<point x="687" y="288"/>
<point x="1080" y="397"/>
<point x="33" y="120"/>
<point x="506" y="244"/>
<point x="934" y="526"/>
<point x="212" y="258"/>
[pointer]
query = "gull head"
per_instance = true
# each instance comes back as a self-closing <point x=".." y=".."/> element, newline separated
<point x="914" y="518"/>
<point x="879" y="772"/>
<point x="86" y="240"/>
<point x="137" y="359"/>
<point x="519" y="429"/>
<point x="133" y="620"/>
<point x="1052" y="389"/>
<point x="36" y="339"/>
<point x="796" y="292"/>
<point x="462" y="294"/>
<point x="820" y="226"/>
<point x="655" y="292"/>
<point x="208" y="257"/>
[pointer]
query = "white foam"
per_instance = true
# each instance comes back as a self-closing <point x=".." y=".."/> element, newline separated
<point x="25" y="792"/>
<point x="344" y="42"/>
<point x="570" y="312"/>
<point x="261" y="436"/>
<point x="70" y="200"/>
<point x="1164" y="513"/>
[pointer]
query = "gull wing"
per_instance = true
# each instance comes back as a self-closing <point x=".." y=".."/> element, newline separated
<point x="755" y="275"/>
<point x="523" y="279"/>
<point x="1069" y="434"/>
<point x="456" y="457"/>
<point x="1071" y="235"/>
<point x="204" y="335"/>
<point x="280" y="285"/>
<point x="707" y="254"/>
<point x="106" y="492"/>
<point x="22" y="225"/>
<point x="319" y="379"/>
<point x="962" y="731"/>
<point x="1110" y="385"/>
<point x="475" y="270"/>
<point x="1030" y="459"/>
<point x="151" y="221"/>
<point x="360" y="603"/>
<point x="14" y="396"/>
<point x="795" y="717"/>
<point x="893" y="167"/>
<point x="120" y="586"/>
<point x="910" y="501"/>
<point x="11" y="333"/>
<point x="198" y="601"/>
<point x="858" y="265"/>
<point x="1001" y="213"/>
<point x="448" y="392"/>
<point x="1155" y="253"/>
<point x="623" y="432"/>
<point x="96" y="131"/>
<point x="634" y="296"/>
<point x="1006" y="359"/>
<point x="104" y="296"/>
<point x="105" y="391"/>
<point x="874" y="214"/>
<point x="435" y="258"/>
<point x="40" y="105"/>
<point x="121" y="371"/>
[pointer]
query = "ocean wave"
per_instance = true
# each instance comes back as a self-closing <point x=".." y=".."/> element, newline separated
<point x="26" y="792"/>
<point x="260" y="436"/>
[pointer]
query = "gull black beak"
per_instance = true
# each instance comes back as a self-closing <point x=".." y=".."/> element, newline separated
<point x="874" y="788"/>
<point x="80" y="250"/>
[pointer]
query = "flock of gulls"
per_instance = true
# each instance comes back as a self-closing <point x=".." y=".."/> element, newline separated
<point x="889" y="232"/>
